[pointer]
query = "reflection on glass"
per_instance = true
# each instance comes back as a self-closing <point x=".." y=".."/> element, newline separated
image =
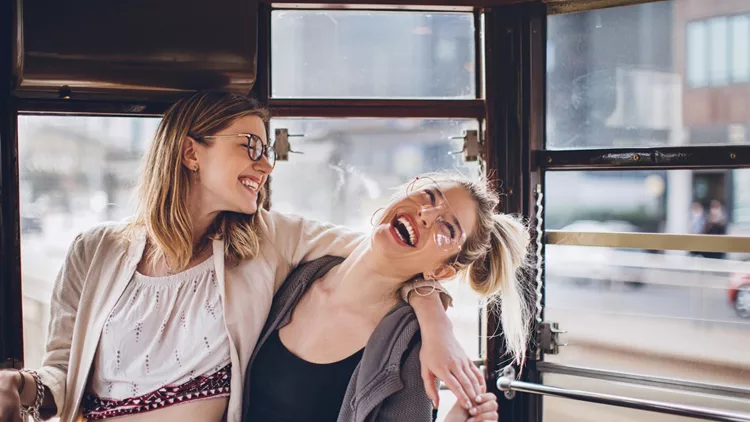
<point x="680" y="79"/>
<point x="669" y="313"/>
<point x="349" y="168"/>
<point x="349" y="54"/>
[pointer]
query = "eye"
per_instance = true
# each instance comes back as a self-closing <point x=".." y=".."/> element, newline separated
<point x="431" y="195"/>
<point x="449" y="227"/>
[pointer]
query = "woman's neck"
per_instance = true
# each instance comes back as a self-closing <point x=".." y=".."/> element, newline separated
<point x="363" y="282"/>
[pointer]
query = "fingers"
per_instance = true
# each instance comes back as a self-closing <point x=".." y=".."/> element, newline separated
<point x="481" y="384"/>
<point x="466" y="377"/>
<point x="485" y="417"/>
<point x="461" y="397"/>
<point x="486" y="410"/>
<point x="431" y="387"/>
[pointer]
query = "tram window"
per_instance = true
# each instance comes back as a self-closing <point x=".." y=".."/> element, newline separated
<point x="353" y="165"/>
<point x="663" y="313"/>
<point x="681" y="80"/>
<point x="74" y="172"/>
<point x="363" y="54"/>
<point x="77" y="171"/>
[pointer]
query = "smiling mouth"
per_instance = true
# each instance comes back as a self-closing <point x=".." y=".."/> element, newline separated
<point x="405" y="230"/>
<point x="250" y="184"/>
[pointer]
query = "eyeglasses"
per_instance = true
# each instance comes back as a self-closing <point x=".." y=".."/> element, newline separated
<point x="425" y="194"/>
<point x="255" y="146"/>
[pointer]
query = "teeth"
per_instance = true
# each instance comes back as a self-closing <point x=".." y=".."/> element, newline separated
<point x="400" y="237"/>
<point x="409" y="228"/>
<point x="249" y="184"/>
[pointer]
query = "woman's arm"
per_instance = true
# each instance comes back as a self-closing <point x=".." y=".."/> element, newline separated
<point x="66" y="295"/>
<point x="410" y="403"/>
<point x="442" y="357"/>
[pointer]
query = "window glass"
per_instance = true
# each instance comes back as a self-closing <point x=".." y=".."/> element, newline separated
<point x="74" y="172"/>
<point x="353" y="167"/>
<point x="718" y="47"/>
<point x="676" y="314"/>
<point x="740" y="57"/>
<point x="668" y="85"/>
<point x="356" y="54"/>
<point x="697" y="60"/>
<point x="349" y="168"/>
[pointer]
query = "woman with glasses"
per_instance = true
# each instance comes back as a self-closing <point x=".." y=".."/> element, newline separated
<point x="339" y="343"/>
<point x="166" y="308"/>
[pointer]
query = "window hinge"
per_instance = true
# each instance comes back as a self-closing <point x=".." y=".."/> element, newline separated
<point x="282" y="146"/>
<point x="472" y="148"/>
<point x="549" y="341"/>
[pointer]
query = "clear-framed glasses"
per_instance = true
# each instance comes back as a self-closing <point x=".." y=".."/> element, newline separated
<point x="255" y="146"/>
<point x="427" y="196"/>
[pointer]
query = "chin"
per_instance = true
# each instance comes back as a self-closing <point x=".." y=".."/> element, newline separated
<point x="249" y="209"/>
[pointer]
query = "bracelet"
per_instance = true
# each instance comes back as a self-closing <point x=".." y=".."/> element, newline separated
<point x="33" y="410"/>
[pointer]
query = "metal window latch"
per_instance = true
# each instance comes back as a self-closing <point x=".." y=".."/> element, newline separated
<point x="282" y="146"/>
<point x="471" y="150"/>
<point x="549" y="340"/>
<point x="508" y="374"/>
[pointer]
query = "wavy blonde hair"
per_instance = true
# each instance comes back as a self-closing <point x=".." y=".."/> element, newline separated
<point x="495" y="258"/>
<point x="164" y="186"/>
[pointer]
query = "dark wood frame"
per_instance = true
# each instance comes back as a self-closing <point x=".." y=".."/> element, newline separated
<point x="510" y="103"/>
<point x="11" y="316"/>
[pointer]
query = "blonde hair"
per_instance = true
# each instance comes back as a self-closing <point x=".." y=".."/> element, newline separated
<point x="164" y="185"/>
<point x="495" y="259"/>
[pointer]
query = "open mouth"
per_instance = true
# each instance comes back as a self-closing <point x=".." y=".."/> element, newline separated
<point x="405" y="228"/>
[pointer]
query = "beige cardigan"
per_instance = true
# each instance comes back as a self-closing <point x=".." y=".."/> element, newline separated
<point x="101" y="262"/>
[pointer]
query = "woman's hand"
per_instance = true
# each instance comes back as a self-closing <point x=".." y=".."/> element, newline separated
<point x="442" y="357"/>
<point x="484" y="410"/>
<point x="10" y="401"/>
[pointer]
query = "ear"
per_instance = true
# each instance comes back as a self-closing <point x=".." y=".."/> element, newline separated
<point x="189" y="153"/>
<point x="441" y="273"/>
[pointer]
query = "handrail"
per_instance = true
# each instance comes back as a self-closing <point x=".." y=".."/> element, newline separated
<point x="646" y="380"/>
<point x="509" y="384"/>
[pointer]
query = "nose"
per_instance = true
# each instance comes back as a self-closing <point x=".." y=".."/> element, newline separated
<point x="263" y="165"/>
<point x="428" y="215"/>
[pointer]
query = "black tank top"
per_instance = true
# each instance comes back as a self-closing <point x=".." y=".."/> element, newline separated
<point x="286" y="388"/>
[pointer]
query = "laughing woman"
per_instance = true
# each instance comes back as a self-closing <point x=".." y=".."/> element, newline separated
<point x="155" y="319"/>
<point x="339" y="343"/>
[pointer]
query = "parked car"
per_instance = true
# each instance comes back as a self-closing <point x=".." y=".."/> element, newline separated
<point x="739" y="294"/>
